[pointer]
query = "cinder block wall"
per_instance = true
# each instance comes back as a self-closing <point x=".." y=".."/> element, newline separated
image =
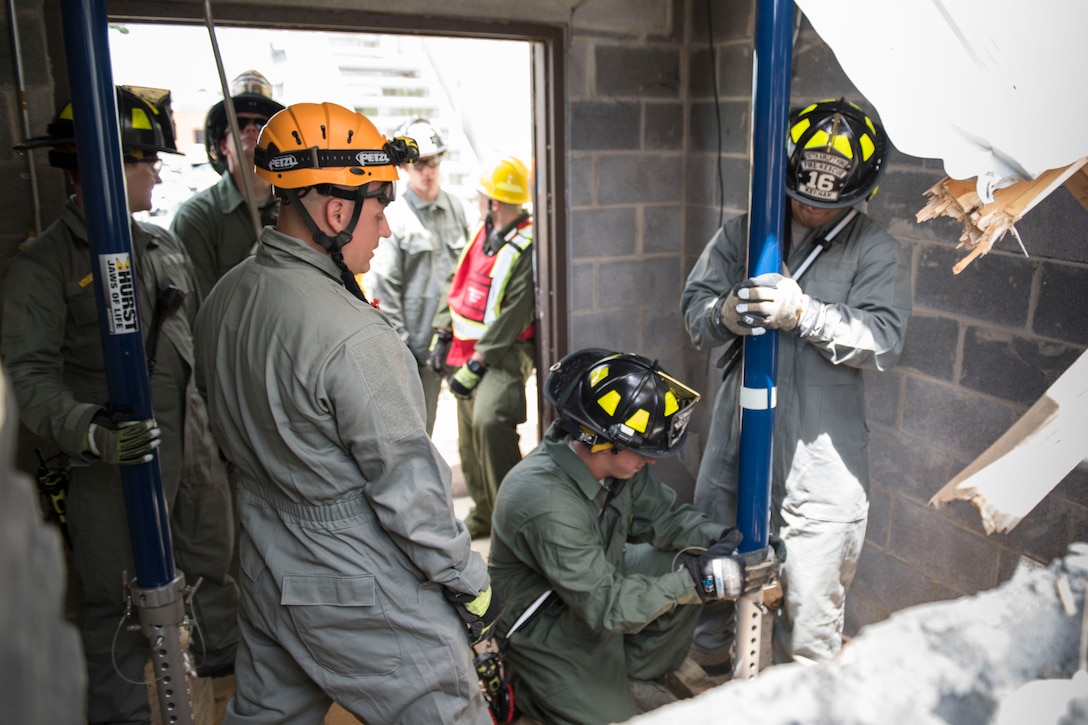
<point x="627" y="95"/>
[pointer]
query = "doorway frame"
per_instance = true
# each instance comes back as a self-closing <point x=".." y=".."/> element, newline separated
<point x="548" y="45"/>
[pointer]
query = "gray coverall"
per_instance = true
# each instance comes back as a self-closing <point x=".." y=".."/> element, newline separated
<point x="409" y="275"/>
<point x="820" y="469"/>
<point x="615" y="612"/>
<point x="52" y="349"/>
<point x="348" y="531"/>
<point x="216" y="228"/>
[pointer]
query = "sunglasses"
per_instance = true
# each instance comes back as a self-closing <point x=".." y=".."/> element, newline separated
<point x="156" y="163"/>
<point x="258" y="123"/>
<point x="430" y="163"/>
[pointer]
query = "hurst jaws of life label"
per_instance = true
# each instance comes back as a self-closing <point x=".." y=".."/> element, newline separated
<point x="119" y="289"/>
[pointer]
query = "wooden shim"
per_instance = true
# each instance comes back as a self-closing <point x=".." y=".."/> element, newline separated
<point x="1015" y="473"/>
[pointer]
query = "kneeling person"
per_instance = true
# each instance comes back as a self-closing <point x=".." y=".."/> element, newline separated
<point x="583" y="518"/>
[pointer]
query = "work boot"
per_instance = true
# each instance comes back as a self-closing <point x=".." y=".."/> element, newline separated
<point x="650" y="694"/>
<point x="718" y="665"/>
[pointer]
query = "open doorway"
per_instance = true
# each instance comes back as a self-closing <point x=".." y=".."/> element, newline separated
<point x="390" y="77"/>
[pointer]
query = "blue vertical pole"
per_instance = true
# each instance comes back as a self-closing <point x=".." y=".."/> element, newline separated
<point x="770" y="116"/>
<point x="98" y="145"/>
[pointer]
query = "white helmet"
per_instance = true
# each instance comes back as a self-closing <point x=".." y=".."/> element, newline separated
<point x="429" y="141"/>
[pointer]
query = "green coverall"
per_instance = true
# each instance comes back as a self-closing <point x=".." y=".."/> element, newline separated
<point x="216" y="228"/>
<point x="618" y="608"/>
<point x="487" y="435"/>
<point x="52" y="349"/>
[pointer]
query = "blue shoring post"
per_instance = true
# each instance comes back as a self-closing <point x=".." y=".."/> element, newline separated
<point x="98" y="144"/>
<point x="770" y="115"/>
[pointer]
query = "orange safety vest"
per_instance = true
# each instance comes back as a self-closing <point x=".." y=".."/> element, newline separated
<point x="475" y="296"/>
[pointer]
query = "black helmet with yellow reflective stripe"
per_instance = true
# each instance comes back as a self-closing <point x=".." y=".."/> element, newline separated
<point x="609" y="399"/>
<point x="145" y="119"/>
<point x="836" y="155"/>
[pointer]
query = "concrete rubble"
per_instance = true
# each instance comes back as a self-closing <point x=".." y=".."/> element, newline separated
<point x="1007" y="655"/>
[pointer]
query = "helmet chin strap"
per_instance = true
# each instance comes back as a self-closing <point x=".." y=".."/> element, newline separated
<point x="333" y="245"/>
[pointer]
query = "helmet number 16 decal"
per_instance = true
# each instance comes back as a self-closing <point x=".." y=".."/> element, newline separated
<point x="826" y="175"/>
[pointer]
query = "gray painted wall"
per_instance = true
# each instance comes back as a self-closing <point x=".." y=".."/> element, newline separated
<point x="642" y="141"/>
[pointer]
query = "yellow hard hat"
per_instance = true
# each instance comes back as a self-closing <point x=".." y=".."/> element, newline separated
<point x="507" y="182"/>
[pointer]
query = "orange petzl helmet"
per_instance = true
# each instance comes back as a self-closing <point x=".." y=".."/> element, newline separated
<point x="307" y="144"/>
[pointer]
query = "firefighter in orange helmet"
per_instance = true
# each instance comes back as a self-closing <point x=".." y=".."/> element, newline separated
<point x="358" y="580"/>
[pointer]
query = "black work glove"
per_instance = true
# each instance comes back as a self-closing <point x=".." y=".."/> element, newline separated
<point x="779" y="547"/>
<point x="115" y="438"/>
<point x="440" y="348"/>
<point x="465" y="380"/>
<point x="478" y="612"/>
<point x="726" y="315"/>
<point x="720" y="573"/>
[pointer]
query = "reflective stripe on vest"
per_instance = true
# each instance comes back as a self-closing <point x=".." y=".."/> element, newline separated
<point x="475" y="297"/>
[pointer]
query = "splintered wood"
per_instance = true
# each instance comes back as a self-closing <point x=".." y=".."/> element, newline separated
<point x="985" y="224"/>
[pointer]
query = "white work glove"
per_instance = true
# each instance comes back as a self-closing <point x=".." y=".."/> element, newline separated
<point x="770" y="301"/>
<point x="776" y="302"/>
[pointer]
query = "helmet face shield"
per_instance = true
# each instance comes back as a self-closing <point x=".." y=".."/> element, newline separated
<point x="626" y="400"/>
<point x="836" y="155"/>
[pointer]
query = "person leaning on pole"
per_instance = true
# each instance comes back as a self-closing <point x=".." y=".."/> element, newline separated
<point x="52" y="348"/>
<point x="846" y="313"/>
<point x="358" y="580"/>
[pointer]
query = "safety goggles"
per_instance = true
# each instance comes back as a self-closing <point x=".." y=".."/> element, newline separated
<point x="429" y="163"/>
<point x="154" y="161"/>
<point x="383" y="191"/>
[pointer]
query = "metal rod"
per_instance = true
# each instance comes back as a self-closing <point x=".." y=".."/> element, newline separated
<point x="232" y="121"/>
